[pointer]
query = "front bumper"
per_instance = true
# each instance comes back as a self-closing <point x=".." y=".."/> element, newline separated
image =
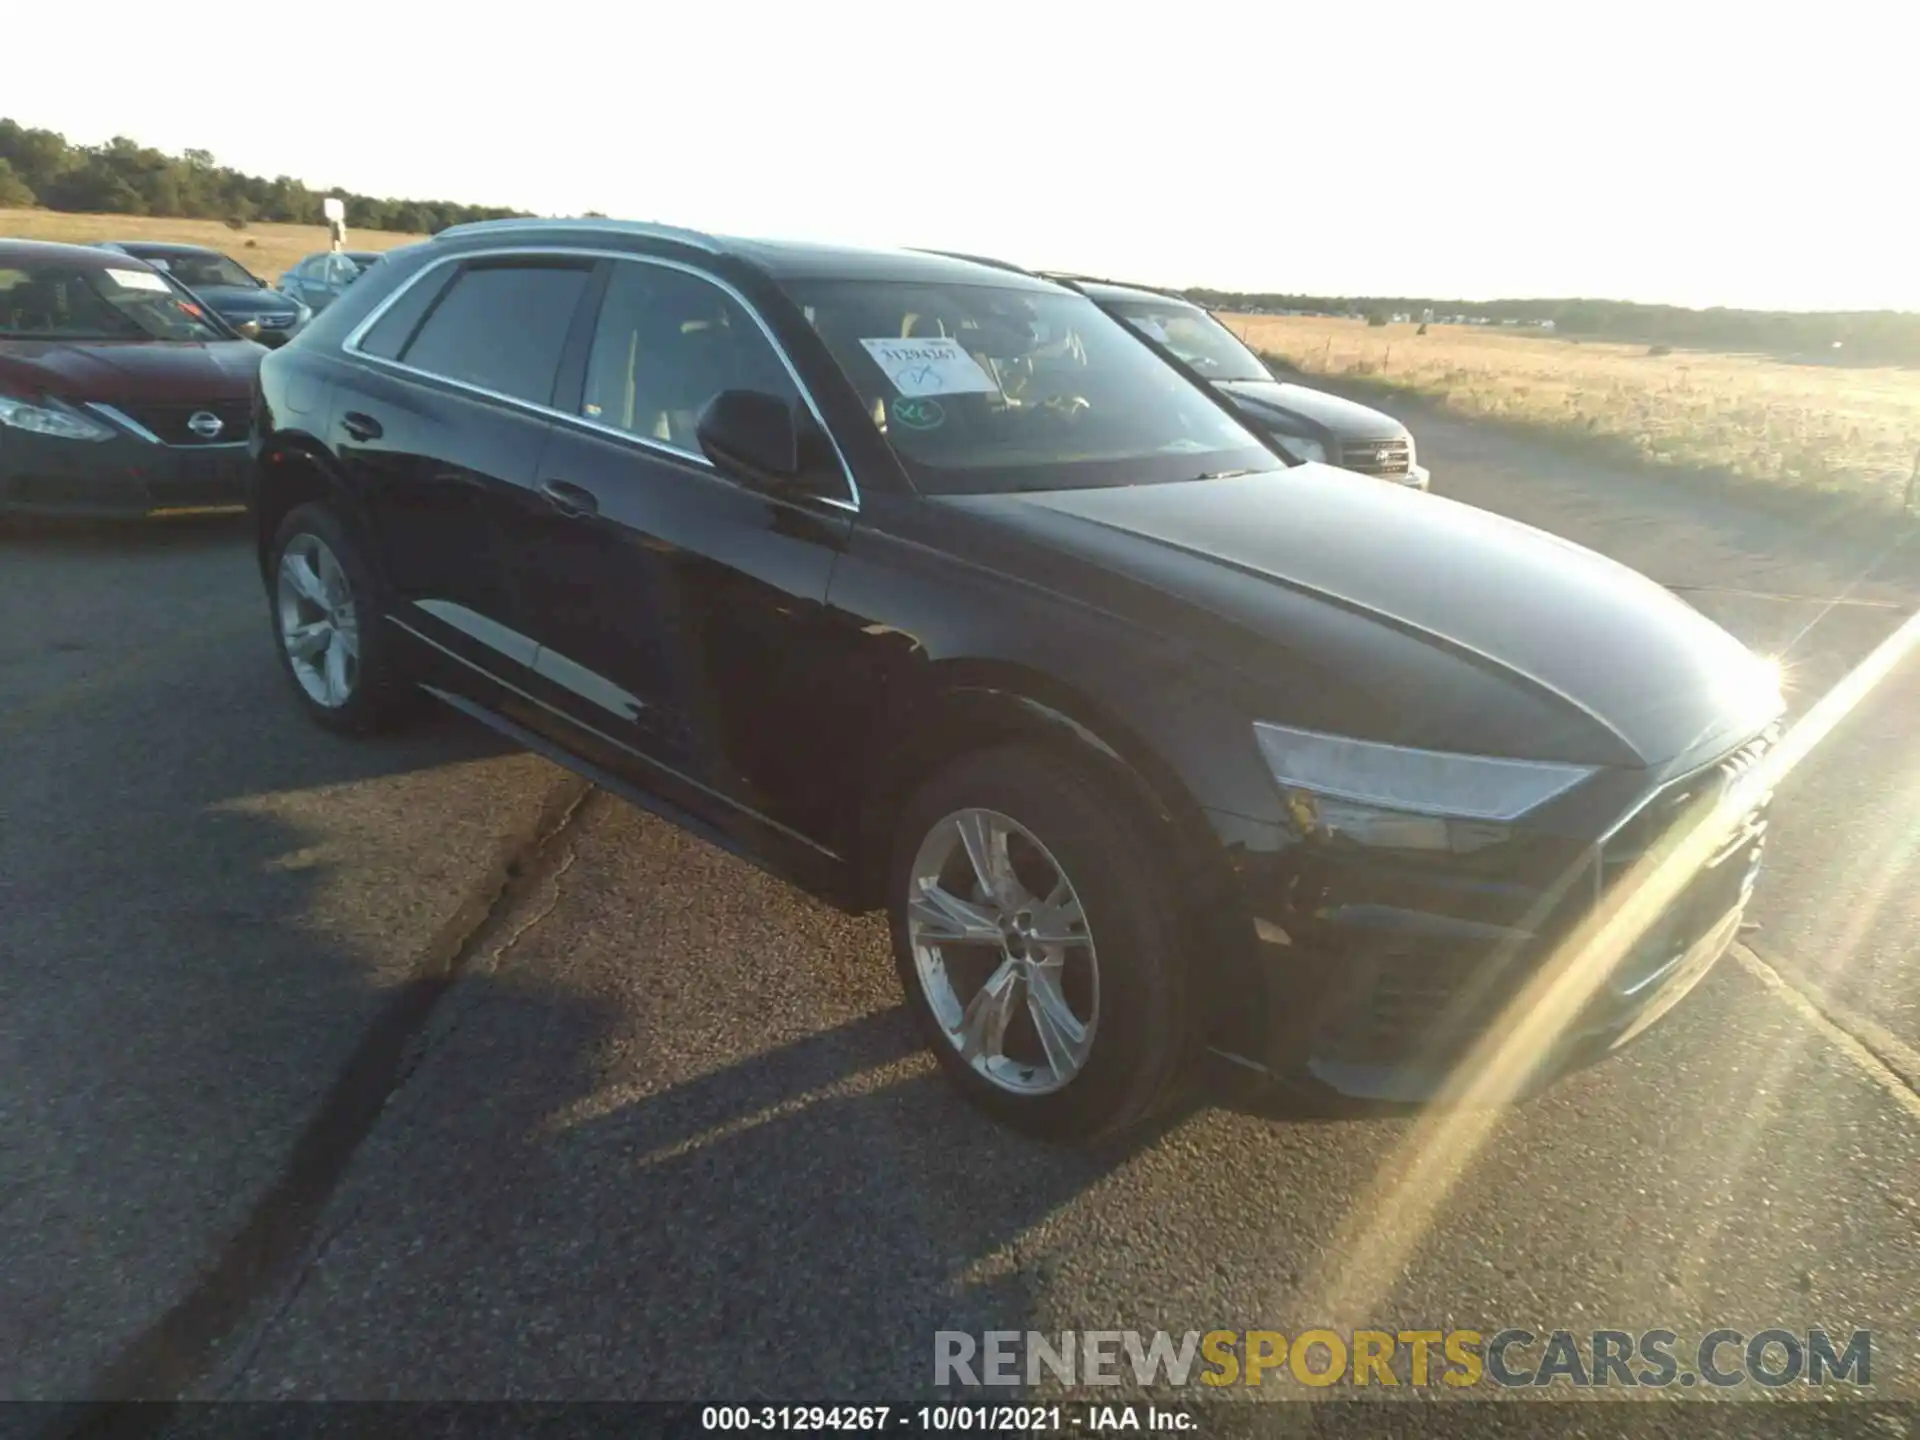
<point x="120" y="479"/>
<point x="1374" y="979"/>
<point x="1418" y="477"/>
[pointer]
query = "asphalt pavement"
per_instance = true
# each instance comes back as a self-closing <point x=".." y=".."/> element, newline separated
<point x="414" y="1069"/>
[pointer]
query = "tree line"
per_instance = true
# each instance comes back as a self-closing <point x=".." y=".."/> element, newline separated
<point x="1878" y="337"/>
<point x="123" y="177"/>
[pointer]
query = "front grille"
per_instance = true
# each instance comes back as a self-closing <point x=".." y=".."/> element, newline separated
<point x="169" y="422"/>
<point x="1377" y="457"/>
<point x="1394" y="1005"/>
<point x="274" y="322"/>
<point x="1660" y="819"/>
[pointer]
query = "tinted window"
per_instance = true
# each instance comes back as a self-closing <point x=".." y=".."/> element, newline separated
<point x="666" y="343"/>
<point x="391" y="332"/>
<point x="501" y="327"/>
<point x="197" y="268"/>
<point x="62" y="301"/>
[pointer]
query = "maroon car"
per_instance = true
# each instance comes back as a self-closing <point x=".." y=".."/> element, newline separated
<point x="120" y="394"/>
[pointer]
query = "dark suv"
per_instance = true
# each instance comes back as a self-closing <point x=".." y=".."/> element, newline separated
<point x="925" y="584"/>
<point x="1305" y="423"/>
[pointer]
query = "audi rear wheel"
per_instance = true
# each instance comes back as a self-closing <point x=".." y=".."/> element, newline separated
<point x="326" y="601"/>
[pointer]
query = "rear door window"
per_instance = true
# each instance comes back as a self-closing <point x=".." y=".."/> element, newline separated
<point x="501" y="327"/>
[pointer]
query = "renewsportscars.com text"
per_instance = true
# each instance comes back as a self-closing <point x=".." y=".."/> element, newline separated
<point x="1459" y="1359"/>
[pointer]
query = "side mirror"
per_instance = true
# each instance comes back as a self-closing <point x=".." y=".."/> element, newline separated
<point x="751" y="435"/>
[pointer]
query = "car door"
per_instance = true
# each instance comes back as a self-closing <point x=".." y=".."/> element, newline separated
<point x="678" y="611"/>
<point x="442" y="425"/>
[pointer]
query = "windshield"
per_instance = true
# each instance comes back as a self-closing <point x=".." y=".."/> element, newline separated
<point x="1194" y="336"/>
<point x="195" y="271"/>
<point x="979" y="389"/>
<point x="337" y="269"/>
<point x="68" y="302"/>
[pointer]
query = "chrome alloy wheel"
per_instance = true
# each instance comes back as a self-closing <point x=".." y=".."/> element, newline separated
<point x="318" y="625"/>
<point x="1003" y="952"/>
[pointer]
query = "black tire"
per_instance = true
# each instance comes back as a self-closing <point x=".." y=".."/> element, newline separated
<point x="1105" y="845"/>
<point x="383" y="692"/>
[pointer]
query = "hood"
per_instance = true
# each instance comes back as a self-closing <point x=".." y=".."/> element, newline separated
<point x="1450" y="626"/>
<point x="114" y="371"/>
<point x="246" y="300"/>
<point x="1274" y="403"/>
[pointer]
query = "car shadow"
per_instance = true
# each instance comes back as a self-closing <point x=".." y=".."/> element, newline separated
<point x="203" y="911"/>
<point x="230" y="939"/>
<point x="803" y="1222"/>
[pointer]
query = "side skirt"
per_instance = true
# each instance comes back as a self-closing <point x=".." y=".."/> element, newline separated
<point x="821" y="877"/>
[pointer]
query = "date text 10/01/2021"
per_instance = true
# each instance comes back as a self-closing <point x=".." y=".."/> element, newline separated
<point x="940" y="1419"/>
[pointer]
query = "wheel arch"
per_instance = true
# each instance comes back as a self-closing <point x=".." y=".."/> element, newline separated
<point x="967" y="706"/>
<point x="294" y="469"/>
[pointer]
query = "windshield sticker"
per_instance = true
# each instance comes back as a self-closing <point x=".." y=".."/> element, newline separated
<point x="930" y="367"/>
<point x="919" y="414"/>
<point x="139" y="280"/>
<point x="1150" y="327"/>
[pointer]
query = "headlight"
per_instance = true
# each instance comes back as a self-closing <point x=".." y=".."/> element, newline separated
<point x="50" y="417"/>
<point x="1390" y="795"/>
<point x="302" y="313"/>
<point x="1300" y="447"/>
<point x="1413" y="455"/>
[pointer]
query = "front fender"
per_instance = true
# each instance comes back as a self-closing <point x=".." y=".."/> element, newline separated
<point x="292" y="468"/>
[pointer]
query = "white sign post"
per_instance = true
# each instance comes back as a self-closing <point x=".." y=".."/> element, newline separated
<point x="335" y="209"/>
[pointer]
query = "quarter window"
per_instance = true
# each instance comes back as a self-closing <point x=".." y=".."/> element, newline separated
<point x="666" y="343"/>
<point x="395" y="327"/>
<point x="502" y="328"/>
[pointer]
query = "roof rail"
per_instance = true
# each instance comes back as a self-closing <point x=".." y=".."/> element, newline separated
<point x="975" y="259"/>
<point x="693" y="238"/>
<point x="1067" y="278"/>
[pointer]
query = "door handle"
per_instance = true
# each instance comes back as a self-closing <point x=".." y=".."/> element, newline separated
<point x="574" y="501"/>
<point x="361" y="427"/>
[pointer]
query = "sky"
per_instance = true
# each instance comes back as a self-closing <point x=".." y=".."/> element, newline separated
<point x="1684" y="153"/>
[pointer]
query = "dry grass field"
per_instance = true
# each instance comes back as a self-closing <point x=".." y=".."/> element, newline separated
<point x="267" y="250"/>
<point x="1811" y="428"/>
<point x="1818" y="428"/>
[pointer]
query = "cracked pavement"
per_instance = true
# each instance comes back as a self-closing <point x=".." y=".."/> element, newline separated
<point x="669" y="1101"/>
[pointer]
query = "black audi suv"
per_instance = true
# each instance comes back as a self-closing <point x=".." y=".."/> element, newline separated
<point x="925" y="584"/>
